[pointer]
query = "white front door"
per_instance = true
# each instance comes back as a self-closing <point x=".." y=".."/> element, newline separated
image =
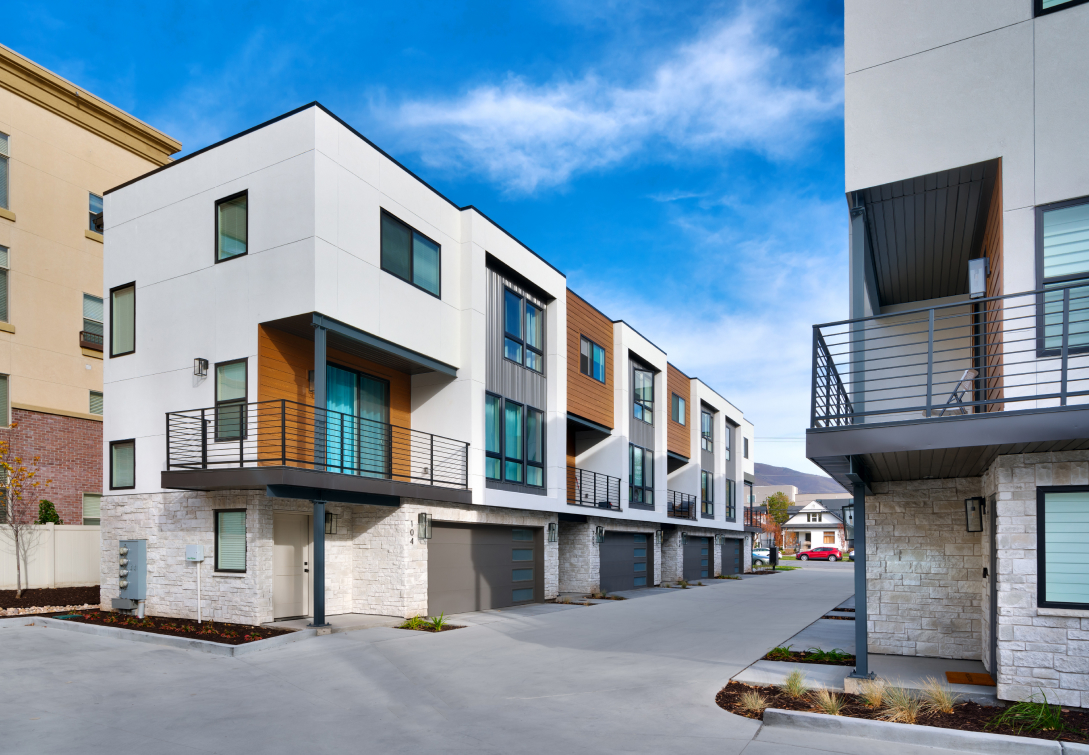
<point x="290" y="565"/>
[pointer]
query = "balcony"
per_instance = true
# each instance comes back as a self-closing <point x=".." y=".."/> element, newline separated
<point x="680" y="505"/>
<point x="586" y="488"/>
<point x="89" y="340"/>
<point x="297" y="450"/>
<point x="903" y="395"/>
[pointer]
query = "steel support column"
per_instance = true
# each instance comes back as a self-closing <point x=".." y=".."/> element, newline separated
<point x="862" y="656"/>
<point x="317" y="564"/>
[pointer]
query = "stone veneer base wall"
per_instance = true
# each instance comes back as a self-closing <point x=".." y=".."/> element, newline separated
<point x="580" y="555"/>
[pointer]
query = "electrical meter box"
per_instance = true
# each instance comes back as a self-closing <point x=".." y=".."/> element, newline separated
<point x="194" y="553"/>
<point x="132" y="569"/>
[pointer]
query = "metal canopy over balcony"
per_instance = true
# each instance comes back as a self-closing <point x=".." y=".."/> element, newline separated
<point x="941" y="391"/>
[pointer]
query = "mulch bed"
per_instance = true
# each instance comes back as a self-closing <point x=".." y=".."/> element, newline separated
<point x="839" y="618"/>
<point x="446" y="628"/>
<point x="56" y="596"/>
<point x="967" y="716"/>
<point x="804" y="657"/>
<point x="226" y="634"/>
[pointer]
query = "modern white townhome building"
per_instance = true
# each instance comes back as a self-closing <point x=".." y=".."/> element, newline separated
<point x="954" y="400"/>
<point x="358" y="397"/>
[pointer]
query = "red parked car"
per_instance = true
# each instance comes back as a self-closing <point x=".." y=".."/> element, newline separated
<point x="826" y="552"/>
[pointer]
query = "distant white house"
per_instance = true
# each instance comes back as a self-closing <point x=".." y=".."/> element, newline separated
<point x="815" y="525"/>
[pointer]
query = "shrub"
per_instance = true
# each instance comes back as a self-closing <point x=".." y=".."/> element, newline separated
<point x="938" y="696"/>
<point x="901" y="705"/>
<point x="795" y="684"/>
<point x="816" y="654"/>
<point x="872" y="692"/>
<point x="1031" y="715"/>
<point x="438" y="622"/>
<point x="826" y="701"/>
<point x="47" y="513"/>
<point x="753" y="702"/>
<point x="416" y="622"/>
<point x="781" y="653"/>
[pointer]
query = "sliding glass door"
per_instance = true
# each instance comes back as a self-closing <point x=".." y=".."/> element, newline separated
<point x="358" y="431"/>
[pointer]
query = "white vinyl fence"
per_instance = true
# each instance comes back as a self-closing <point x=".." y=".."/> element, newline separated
<point x="57" y="555"/>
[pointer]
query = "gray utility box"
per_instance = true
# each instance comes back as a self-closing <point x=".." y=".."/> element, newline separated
<point x="132" y="569"/>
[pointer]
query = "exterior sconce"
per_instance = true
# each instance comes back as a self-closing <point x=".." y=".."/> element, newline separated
<point x="974" y="508"/>
<point x="200" y="367"/>
<point x="978" y="271"/>
<point x="657" y="537"/>
<point x="310" y="379"/>
<point x="552" y="532"/>
<point x="684" y="538"/>
<point x="423" y="525"/>
<point x="330" y="524"/>
<point x="599" y="535"/>
<point x="849" y="521"/>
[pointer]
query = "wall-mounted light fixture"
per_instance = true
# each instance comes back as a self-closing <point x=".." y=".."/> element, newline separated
<point x="423" y="522"/>
<point x="552" y="532"/>
<point x="849" y="521"/>
<point x="599" y="535"/>
<point x="684" y="538"/>
<point x="200" y="367"/>
<point x="978" y="270"/>
<point x="330" y="523"/>
<point x="310" y="379"/>
<point x="657" y="537"/>
<point x="974" y="508"/>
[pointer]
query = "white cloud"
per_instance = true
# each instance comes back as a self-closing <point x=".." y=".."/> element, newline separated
<point x="730" y="88"/>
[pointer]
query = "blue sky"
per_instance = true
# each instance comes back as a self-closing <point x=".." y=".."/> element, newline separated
<point x="681" y="162"/>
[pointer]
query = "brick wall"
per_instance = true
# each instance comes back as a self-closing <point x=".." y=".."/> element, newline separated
<point x="71" y="457"/>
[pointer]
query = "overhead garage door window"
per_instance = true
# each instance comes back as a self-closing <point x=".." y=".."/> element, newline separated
<point x="522" y="575"/>
<point x="523" y="554"/>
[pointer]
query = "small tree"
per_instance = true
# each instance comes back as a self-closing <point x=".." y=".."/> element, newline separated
<point x="778" y="509"/>
<point x="47" y="513"/>
<point x="20" y="485"/>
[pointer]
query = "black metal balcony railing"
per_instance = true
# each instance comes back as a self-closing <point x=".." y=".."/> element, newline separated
<point x="755" y="517"/>
<point x="586" y="488"/>
<point x="680" y="505"/>
<point x="1019" y="351"/>
<point x="89" y="340"/>
<point x="289" y="434"/>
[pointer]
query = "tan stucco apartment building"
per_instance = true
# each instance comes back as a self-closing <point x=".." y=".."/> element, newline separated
<point x="60" y="149"/>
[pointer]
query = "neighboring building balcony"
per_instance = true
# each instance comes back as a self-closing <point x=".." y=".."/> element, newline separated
<point x="300" y="451"/>
<point x="681" y="505"/>
<point x="593" y="489"/>
<point x="89" y="340"/>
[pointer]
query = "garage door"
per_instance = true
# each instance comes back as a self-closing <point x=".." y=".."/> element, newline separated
<point x="474" y="567"/>
<point x="698" y="559"/>
<point x="731" y="556"/>
<point x="627" y="561"/>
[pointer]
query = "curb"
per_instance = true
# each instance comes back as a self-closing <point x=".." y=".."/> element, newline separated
<point x="926" y="736"/>
<point x="182" y="643"/>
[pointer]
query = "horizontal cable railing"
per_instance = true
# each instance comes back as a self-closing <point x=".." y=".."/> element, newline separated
<point x="680" y="505"/>
<point x="1019" y="351"/>
<point x="289" y="434"/>
<point x="593" y="489"/>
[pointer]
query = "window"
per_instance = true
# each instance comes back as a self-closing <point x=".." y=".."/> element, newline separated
<point x="1063" y="258"/>
<point x="231" y="540"/>
<point x="123" y="320"/>
<point x="750" y="496"/>
<point x="94" y="209"/>
<point x="643" y="395"/>
<point x="523" y="331"/>
<point x="1062" y="518"/>
<point x="231" y="400"/>
<point x="727" y="437"/>
<point x="679" y="409"/>
<point x="92" y="508"/>
<point x="122" y="464"/>
<point x="829" y="538"/>
<point x="534" y="338"/>
<point x="746" y="448"/>
<point x="514" y="441"/>
<point x="232" y="227"/>
<point x="95" y="403"/>
<point x="1043" y="7"/>
<point x="512" y="326"/>
<point x="534" y="448"/>
<point x="811" y="517"/>
<point x="492" y="436"/>
<point x="4" y="267"/>
<point x="411" y="256"/>
<point x="5" y="415"/>
<point x="731" y="492"/>
<point x="707" y="430"/>
<point x="592" y="360"/>
<point x="707" y="495"/>
<point x="641" y="478"/>
<point x="5" y="154"/>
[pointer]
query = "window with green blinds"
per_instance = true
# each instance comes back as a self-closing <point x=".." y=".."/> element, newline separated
<point x="95" y="403"/>
<point x="1064" y="570"/>
<point x="123" y="321"/>
<point x="5" y="154"/>
<point x="4" y="262"/>
<point x="5" y="411"/>
<point x="93" y="314"/>
<point x="92" y="508"/>
<point x="231" y="541"/>
<point x="1065" y="255"/>
<point x="231" y="227"/>
<point x="123" y="464"/>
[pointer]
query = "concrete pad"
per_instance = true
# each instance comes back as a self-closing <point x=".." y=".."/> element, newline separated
<point x="849" y="603"/>
<point x="911" y="671"/>
<point x="344" y="622"/>
<point x="778" y="741"/>
<point x="826" y="634"/>
<point x="774" y="673"/>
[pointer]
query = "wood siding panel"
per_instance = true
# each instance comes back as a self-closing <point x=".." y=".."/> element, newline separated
<point x="992" y="248"/>
<point x="678" y="436"/>
<point x="587" y="397"/>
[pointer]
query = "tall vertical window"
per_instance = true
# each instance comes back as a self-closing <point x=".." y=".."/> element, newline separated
<point x="643" y="395"/>
<point x="746" y="448"/>
<point x="534" y="448"/>
<point x="707" y="430"/>
<point x="493" y="435"/>
<point x="512" y="441"/>
<point x="534" y="338"/>
<point x="512" y="326"/>
<point x="707" y="495"/>
<point x="1063" y="258"/>
<point x="4" y="263"/>
<point x="5" y="409"/>
<point x="231" y="400"/>
<point x="727" y="437"/>
<point x="731" y="493"/>
<point x="1043" y="7"/>
<point x="411" y="256"/>
<point x="640" y="478"/>
<point x="122" y="464"/>
<point x="523" y="331"/>
<point x="5" y="155"/>
<point x="231" y="541"/>
<point x="232" y="227"/>
<point x="93" y="314"/>
<point x="123" y="320"/>
<point x="1062" y="519"/>
<point x="592" y="359"/>
<point x="92" y="508"/>
<point x="94" y="210"/>
<point x="679" y="410"/>
<point x="95" y="403"/>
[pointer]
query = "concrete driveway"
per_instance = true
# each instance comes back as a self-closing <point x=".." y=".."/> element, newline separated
<point x="634" y="676"/>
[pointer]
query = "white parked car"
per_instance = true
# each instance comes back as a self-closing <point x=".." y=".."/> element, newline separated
<point x="761" y="557"/>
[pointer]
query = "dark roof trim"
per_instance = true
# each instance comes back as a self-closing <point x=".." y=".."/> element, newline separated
<point x="677" y="456"/>
<point x="588" y="424"/>
<point x="641" y="335"/>
<point x="750" y="478"/>
<point x="588" y="304"/>
<point x="321" y="321"/>
<point x="341" y="121"/>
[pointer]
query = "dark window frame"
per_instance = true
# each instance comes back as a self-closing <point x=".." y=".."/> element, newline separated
<point x="522" y="340"/>
<point x="674" y="398"/>
<point x="745" y="442"/>
<point x="92" y="217"/>
<point x="1042" y="351"/>
<point x="114" y="290"/>
<point x="493" y="454"/>
<point x="1038" y="8"/>
<point x="219" y="438"/>
<point x="1041" y="571"/>
<point x="707" y="487"/>
<point x="502" y="457"/>
<point x="410" y="280"/>
<point x="215" y="542"/>
<point x="589" y="371"/>
<point x="731" y="504"/>
<point x="118" y="443"/>
<point x="632" y="487"/>
<point x="636" y="401"/>
<point x="707" y="439"/>
<point x="215" y="242"/>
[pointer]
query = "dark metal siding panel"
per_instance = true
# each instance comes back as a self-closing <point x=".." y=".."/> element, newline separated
<point x="707" y="460"/>
<point x="501" y="376"/>
<point x="642" y="434"/>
